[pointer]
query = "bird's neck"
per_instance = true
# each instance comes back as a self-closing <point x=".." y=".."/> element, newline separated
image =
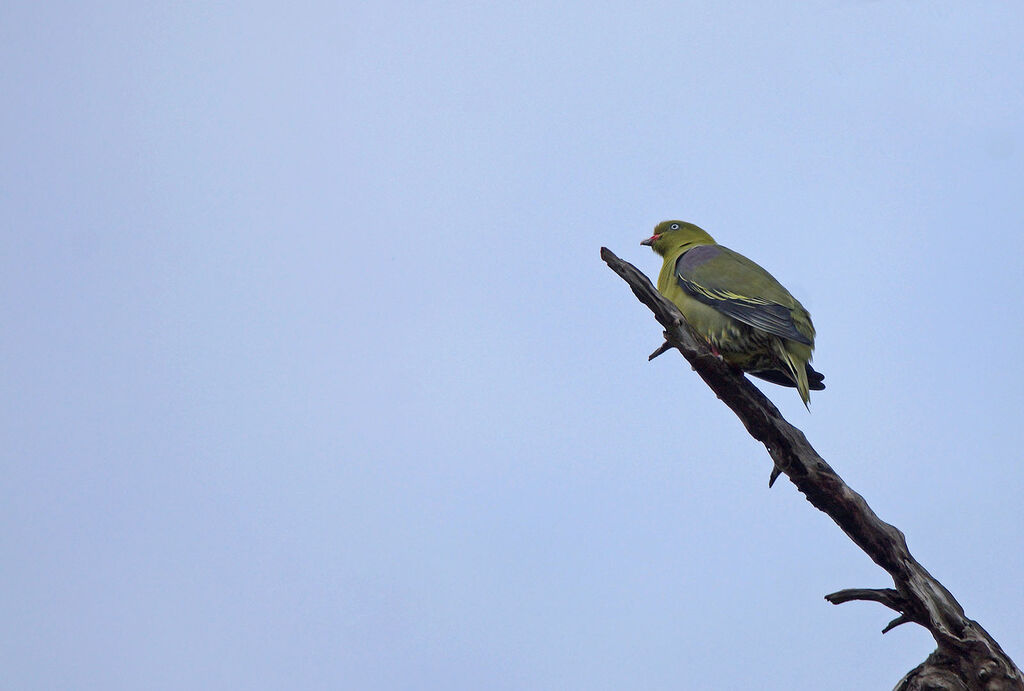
<point x="674" y="252"/>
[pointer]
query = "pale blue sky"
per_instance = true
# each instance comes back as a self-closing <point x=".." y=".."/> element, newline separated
<point x="313" y="378"/>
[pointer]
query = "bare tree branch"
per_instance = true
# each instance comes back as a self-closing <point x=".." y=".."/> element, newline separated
<point x="887" y="596"/>
<point x="967" y="656"/>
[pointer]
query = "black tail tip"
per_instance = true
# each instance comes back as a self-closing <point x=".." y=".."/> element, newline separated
<point x="815" y="379"/>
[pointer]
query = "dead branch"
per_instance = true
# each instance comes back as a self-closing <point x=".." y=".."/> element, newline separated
<point x="967" y="656"/>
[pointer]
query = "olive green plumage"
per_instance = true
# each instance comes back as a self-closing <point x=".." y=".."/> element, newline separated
<point x="742" y="311"/>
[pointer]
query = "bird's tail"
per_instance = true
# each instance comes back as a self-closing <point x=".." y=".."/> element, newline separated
<point x="797" y="367"/>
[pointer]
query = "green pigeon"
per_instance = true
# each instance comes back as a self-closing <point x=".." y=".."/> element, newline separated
<point x="746" y="316"/>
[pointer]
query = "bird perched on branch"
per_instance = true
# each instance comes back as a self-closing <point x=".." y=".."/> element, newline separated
<point x="747" y="317"/>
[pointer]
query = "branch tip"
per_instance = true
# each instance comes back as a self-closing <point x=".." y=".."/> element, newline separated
<point x="663" y="348"/>
<point x="885" y="596"/>
<point x="901" y="619"/>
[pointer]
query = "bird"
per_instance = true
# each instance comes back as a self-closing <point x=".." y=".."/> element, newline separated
<point x="747" y="317"/>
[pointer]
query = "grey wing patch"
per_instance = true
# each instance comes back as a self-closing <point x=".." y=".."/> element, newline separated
<point x="691" y="259"/>
<point x="757" y="312"/>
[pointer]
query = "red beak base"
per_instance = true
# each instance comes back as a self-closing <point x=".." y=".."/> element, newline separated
<point x="650" y="241"/>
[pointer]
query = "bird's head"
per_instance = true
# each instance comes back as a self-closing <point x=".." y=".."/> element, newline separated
<point x="670" y="235"/>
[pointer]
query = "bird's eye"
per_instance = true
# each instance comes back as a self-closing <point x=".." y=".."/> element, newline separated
<point x="674" y="226"/>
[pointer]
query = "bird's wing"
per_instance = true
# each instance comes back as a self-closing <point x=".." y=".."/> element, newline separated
<point x="739" y="288"/>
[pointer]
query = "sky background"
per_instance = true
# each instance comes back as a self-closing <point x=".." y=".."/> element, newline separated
<point x="313" y="378"/>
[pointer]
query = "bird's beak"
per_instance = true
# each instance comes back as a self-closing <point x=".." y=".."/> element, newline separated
<point x="650" y="241"/>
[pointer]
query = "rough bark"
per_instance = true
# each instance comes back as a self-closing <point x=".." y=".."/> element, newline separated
<point x="967" y="657"/>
